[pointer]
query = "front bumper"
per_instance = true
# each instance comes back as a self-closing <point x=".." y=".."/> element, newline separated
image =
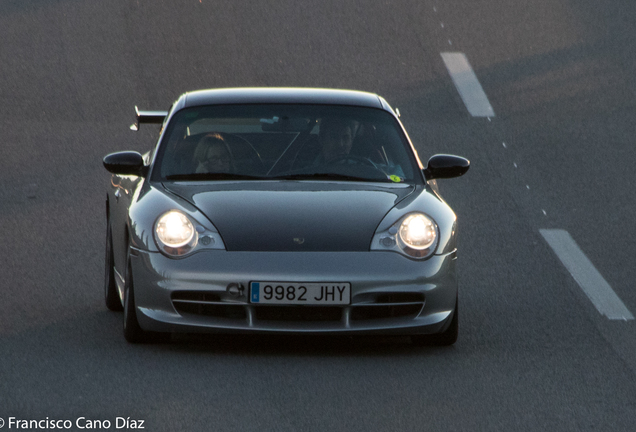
<point x="390" y="294"/>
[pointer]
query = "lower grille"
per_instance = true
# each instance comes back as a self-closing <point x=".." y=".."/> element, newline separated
<point x="378" y="311"/>
<point x="374" y="307"/>
<point x="388" y="305"/>
<point x="298" y="313"/>
<point x="206" y="303"/>
<point x="215" y="310"/>
<point x="200" y="296"/>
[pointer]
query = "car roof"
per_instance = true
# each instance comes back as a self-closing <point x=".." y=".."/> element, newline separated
<point x="287" y="95"/>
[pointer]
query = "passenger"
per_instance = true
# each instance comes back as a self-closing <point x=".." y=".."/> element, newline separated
<point x="336" y="139"/>
<point x="212" y="155"/>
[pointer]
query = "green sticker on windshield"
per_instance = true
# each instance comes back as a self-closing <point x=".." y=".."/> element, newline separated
<point x="395" y="179"/>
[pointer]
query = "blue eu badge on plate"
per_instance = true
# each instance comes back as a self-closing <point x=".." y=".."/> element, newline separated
<point x="255" y="292"/>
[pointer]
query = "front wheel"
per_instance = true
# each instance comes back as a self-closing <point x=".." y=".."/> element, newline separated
<point x="447" y="337"/>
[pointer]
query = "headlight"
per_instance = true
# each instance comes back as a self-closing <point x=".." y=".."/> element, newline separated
<point x="175" y="233"/>
<point x="414" y="235"/>
<point x="417" y="232"/>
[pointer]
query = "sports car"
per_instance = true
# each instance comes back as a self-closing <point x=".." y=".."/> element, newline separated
<point x="281" y="210"/>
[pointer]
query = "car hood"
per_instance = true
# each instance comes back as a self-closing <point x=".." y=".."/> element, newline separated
<point x="293" y="216"/>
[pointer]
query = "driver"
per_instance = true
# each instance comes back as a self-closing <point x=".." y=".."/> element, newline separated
<point x="213" y="155"/>
<point x="336" y="139"/>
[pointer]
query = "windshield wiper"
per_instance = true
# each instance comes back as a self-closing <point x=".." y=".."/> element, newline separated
<point x="214" y="176"/>
<point x="325" y="176"/>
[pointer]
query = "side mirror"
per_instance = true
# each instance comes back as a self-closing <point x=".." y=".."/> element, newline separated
<point x="446" y="166"/>
<point x="125" y="163"/>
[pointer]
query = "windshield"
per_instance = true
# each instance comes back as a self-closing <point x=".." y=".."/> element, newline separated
<point x="275" y="142"/>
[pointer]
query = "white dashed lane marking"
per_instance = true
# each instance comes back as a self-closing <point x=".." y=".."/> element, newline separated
<point x="589" y="279"/>
<point x="575" y="261"/>
<point x="467" y="84"/>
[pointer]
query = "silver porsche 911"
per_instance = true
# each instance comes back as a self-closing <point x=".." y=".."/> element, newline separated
<point x="281" y="210"/>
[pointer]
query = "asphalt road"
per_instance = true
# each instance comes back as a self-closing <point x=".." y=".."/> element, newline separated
<point x="533" y="354"/>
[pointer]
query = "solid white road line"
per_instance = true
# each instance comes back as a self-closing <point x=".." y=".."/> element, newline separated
<point x="467" y="84"/>
<point x="589" y="279"/>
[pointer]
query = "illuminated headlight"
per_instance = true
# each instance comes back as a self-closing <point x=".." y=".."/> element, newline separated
<point x="417" y="232"/>
<point x="414" y="235"/>
<point x="175" y="233"/>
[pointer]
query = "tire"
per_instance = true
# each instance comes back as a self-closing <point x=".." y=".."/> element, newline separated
<point x="111" y="295"/>
<point x="446" y="338"/>
<point x="132" y="331"/>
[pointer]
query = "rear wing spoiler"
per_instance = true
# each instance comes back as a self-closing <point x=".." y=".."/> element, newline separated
<point x="150" y="117"/>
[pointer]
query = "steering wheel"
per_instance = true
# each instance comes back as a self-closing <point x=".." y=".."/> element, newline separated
<point x="342" y="159"/>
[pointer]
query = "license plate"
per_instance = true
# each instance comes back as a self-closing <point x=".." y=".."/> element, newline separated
<point x="300" y="293"/>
